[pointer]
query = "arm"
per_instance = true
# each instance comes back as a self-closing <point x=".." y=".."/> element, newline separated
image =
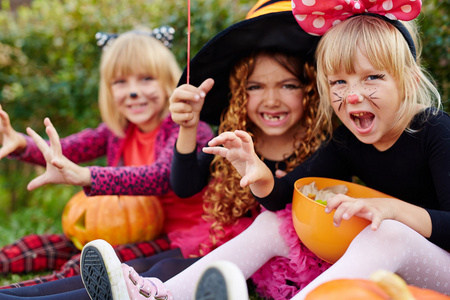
<point x="275" y="193"/>
<point x="185" y="105"/>
<point x="239" y="151"/>
<point x="438" y="146"/>
<point x="378" y="209"/>
<point x="83" y="146"/>
<point x="151" y="179"/>
<point x="272" y="193"/>
<point x="427" y="208"/>
<point x="59" y="169"/>
<point x="196" y="164"/>
<point x="190" y="173"/>
<point x="138" y="180"/>
<point x="325" y="162"/>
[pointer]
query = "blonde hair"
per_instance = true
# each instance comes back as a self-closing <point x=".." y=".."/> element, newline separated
<point x="134" y="52"/>
<point x="224" y="200"/>
<point x="386" y="49"/>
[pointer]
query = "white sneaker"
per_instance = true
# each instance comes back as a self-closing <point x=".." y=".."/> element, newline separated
<point x="106" y="278"/>
<point x="222" y="280"/>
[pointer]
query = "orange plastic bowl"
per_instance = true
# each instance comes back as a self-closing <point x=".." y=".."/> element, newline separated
<point x="315" y="227"/>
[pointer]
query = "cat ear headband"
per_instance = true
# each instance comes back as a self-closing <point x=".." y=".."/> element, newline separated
<point x="316" y="17"/>
<point x="164" y="34"/>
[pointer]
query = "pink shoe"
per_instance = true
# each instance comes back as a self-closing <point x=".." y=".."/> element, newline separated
<point x="149" y="287"/>
<point x="105" y="278"/>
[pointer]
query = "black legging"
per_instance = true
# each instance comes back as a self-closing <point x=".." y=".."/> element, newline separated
<point x="163" y="265"/>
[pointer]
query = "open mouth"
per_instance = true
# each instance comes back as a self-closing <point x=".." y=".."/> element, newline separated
<point x="362" y="120"/>
<point x="274" y="117"/>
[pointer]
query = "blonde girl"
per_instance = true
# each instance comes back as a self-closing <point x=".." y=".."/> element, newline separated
<point x="137" y="75"/>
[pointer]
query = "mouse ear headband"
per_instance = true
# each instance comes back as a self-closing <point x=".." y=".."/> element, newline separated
<point x="164" y="34"/>
<point x="316" y="17"/>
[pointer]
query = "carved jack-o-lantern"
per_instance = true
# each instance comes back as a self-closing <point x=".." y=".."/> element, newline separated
<point x="115" y="219"/>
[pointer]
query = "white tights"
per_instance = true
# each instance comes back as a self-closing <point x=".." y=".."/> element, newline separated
<point x="394" y="247"/>
<point x="249" y="251"/>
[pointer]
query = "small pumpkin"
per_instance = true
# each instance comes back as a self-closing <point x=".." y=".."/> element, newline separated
<point x="115" y="219"/>
<point x="383" y="285"/>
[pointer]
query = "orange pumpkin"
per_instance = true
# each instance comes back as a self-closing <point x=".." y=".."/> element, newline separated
<point x="348" y="289"/>
<point x="383" y="285"/>
<point x="115" y="219"/>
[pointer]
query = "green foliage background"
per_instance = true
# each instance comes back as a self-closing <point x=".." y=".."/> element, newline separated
<point x="48" y="67"/>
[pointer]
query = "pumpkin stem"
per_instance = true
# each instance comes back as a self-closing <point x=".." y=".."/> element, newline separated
<point x="392" y="284"/>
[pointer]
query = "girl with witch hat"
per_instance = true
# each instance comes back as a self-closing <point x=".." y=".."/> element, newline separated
<point x="272" y="94"/>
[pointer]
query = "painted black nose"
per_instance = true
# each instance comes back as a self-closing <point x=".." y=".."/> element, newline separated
<point x="133" y="95"/>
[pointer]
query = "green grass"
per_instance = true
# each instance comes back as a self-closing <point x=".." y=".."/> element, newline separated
<point x="40" y="213"/>
<point x="23" y="222"/>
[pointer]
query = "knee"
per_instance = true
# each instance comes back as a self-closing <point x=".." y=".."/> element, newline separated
<point x="392" y="230"/>
<point x="266" y="225"/>
<point x="266" y="217"/>
<point x="390" y="233"/>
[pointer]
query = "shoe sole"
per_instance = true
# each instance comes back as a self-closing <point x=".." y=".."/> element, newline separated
<point x="101" y="272"/>
<point x="222" y="280"/>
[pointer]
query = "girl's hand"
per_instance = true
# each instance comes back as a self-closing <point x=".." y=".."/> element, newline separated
<point x="372" y="209"/>
<point x="239" y="151"/>
<point x="187" y="101"/>
<point x="59" y="168"/>
<point x="11" y="140"/>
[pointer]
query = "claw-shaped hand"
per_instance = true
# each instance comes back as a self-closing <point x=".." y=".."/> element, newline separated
<point x="10" y="139"/>
<point x="59" y="169"/>
<point x="239" y="151"/>
<point x="372" y="209"/>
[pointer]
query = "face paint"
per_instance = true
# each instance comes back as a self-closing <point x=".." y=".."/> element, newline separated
<point x="340" y="99"/>
<point x="353" y="99"/>
<point x="371" y="98"/>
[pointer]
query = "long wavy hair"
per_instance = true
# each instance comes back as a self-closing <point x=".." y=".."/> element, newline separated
<point x="225" y="200"/>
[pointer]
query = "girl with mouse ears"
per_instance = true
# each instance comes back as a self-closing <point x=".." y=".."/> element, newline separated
<point x="393" y="137"/>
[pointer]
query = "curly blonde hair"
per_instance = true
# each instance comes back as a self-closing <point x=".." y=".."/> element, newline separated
<point x="225" y="201"/>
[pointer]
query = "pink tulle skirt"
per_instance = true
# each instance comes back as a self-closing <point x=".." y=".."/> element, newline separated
<point x="196" y="241"/>
<point x="282" y="278"/>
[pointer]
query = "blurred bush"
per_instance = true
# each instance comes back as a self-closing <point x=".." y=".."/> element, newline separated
<point x="435" y="33"/>
<point x="49" y="60"/>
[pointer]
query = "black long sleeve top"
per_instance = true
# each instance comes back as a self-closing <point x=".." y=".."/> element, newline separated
<point x="416" y="169"/>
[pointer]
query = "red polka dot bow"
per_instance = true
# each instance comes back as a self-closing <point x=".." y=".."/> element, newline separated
<point x="317" y="16"/>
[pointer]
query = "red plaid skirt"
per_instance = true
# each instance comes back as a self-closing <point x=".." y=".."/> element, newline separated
<point x="37" y="253"/>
